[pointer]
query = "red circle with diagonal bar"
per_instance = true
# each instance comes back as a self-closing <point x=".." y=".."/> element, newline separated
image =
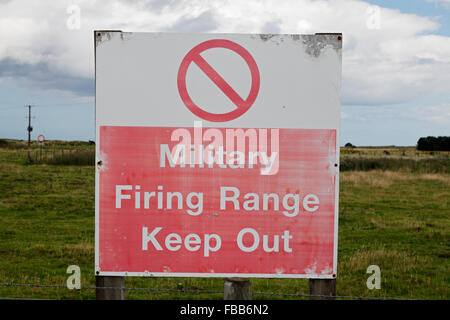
<point x="241" y="104"/>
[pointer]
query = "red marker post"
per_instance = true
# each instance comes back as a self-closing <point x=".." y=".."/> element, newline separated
<point x="41" y="139"/>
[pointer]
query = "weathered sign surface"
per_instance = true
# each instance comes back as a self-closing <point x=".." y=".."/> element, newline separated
<point x="217" y="154"/>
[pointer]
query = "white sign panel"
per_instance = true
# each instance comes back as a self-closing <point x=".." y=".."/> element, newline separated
<point x="217" y="154"/>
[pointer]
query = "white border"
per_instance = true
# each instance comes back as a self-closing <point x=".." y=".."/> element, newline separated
<point x="97" y="176"/>
<point x="216" y="275"/>
<point x="338" y="170"/>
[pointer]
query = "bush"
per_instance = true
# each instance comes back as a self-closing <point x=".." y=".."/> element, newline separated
<point x="12" y="144"/>
<point x="434" y="144"/>
<point x="349" y="145"/>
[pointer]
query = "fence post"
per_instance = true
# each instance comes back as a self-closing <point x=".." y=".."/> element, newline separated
<point x="109" y="294"/>
<point x="323" y="287"/>
<point x="237" y="289"/>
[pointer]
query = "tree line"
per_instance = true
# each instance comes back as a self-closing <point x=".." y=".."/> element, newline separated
<point x="434" y="144"/>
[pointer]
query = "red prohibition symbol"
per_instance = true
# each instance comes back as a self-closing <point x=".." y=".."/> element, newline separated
<point x="241" y="105"/>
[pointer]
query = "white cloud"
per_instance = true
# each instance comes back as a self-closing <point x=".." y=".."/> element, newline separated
<point x="439" y="115"/>
<point x="443" y="3"/>
<point x="398" y="62"/>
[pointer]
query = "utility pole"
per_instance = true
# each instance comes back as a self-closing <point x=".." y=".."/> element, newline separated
<point x="29" y="129"/>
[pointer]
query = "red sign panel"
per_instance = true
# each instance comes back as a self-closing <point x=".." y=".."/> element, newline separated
<point x="217" y="201"/>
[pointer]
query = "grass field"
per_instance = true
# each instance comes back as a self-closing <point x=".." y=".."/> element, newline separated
<point x="396" y="219"/>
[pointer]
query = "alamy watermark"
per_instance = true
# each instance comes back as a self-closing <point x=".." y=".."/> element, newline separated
<point x="74" y="20"/>
<point x="227" y="148"/>
<point x="373" y="21"/>
<point x="374" y="281"/>
<point x="74" y="280"/>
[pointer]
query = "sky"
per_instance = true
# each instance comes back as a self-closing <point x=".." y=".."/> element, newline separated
<point x="395" y="72"/>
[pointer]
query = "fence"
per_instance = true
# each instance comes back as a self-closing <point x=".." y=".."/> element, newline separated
<point x="200" y="291"/>
<point x="62" y="156"/>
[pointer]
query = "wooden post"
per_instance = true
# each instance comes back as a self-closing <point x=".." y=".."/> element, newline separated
<point x="237" y="289"/>
<point x="109" y="294"/>
<point x="323" y="287"/>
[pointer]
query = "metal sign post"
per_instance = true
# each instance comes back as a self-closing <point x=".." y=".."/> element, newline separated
<point x="217" y="155"/>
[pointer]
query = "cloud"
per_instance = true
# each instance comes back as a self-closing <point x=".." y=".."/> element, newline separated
<point x="435" y="116"/>
<point x="42" y="75"/>
<point x="389" y="56"/>
<point x="443" y="3"/>
<point x="203" y="23"/>
<point x="439" y="115"/>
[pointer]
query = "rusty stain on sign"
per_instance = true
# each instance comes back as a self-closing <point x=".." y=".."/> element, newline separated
<point x="265" y="37"/>
<point x="316" y="43"/>
<point x="313" y="43"/>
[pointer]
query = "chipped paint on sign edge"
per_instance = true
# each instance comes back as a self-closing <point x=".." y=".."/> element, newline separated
<point x="314" y="43"/>
<point x="106" y="35"/>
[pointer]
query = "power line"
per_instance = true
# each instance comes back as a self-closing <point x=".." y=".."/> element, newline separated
<point x="54" y="105"/>
<point x="10" y="108"/>
<point x="64" y="105"/>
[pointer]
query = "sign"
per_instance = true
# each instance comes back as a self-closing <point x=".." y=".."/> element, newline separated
<point x="217" y="154"/>
<point x="241" y="105"/>
<point x="41" y="138"/>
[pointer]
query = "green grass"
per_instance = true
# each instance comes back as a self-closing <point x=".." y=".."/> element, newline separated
<point x="436" y="165"/>
<point x="49" y="144"/>
<point x="79" y="157"/>
<point x="398" y="220"/>
<point x="53" y="152"/>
